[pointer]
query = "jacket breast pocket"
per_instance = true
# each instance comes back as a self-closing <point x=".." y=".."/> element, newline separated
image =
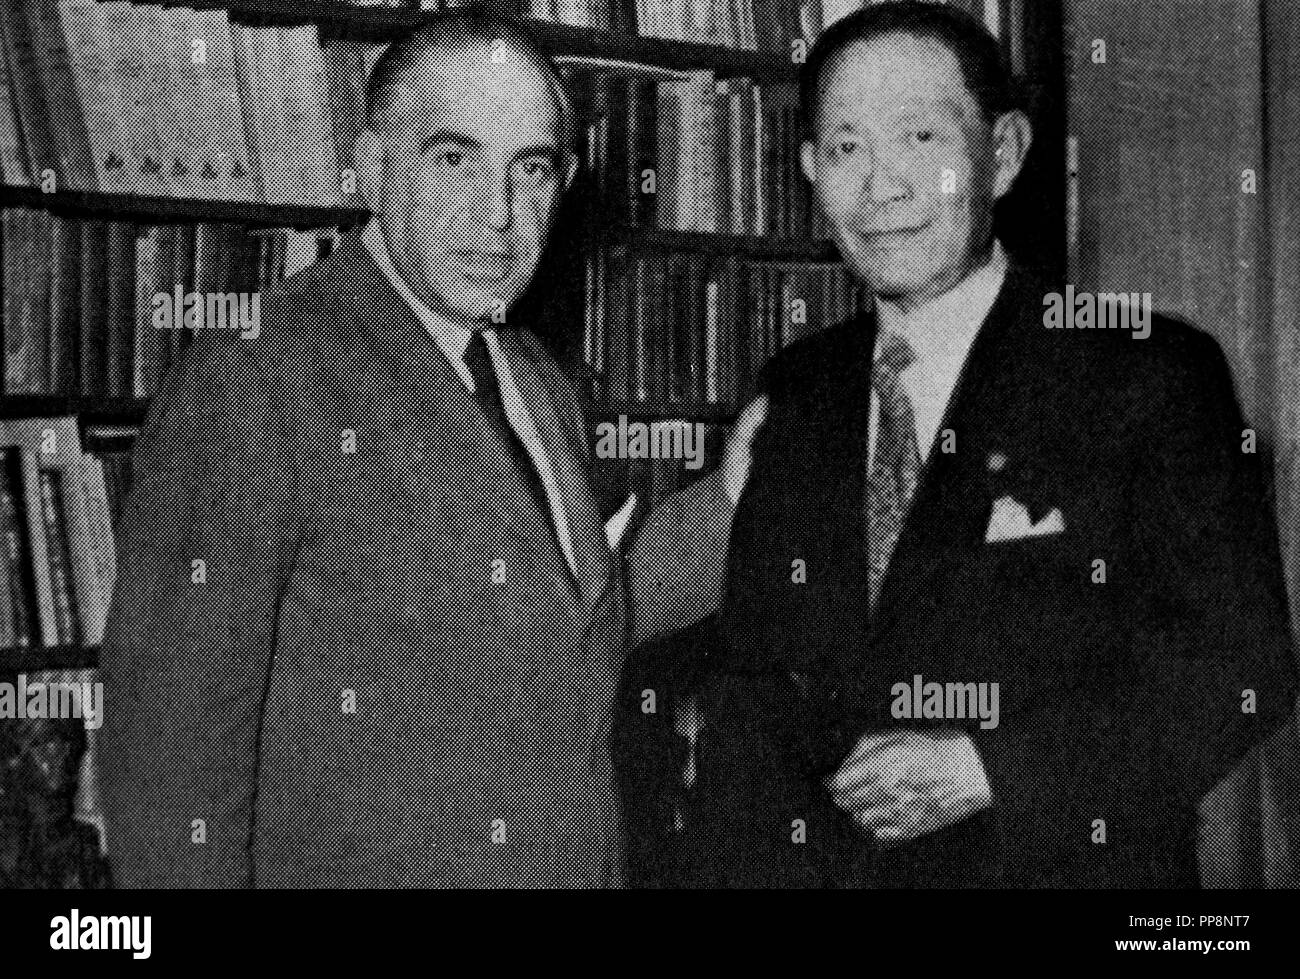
<point x="1049" y="562"/>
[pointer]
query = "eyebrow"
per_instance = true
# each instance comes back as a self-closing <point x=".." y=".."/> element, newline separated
<point x="448" y="136"/>
<point x="912" y="110"/>
<point x="460" y="139"/>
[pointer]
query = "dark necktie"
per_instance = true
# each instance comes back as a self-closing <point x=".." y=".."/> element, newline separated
<point x="895" y="466"/>
<point x="487" y="391"/>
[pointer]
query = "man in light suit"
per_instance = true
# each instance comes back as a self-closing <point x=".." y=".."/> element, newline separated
<point x="368" y="627"/>
<point x="946" y="491"/>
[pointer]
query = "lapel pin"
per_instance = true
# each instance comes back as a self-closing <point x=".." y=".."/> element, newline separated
<point x="997" y="461"/>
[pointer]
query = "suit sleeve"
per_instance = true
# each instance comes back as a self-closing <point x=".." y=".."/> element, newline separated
<point x="677" y="565"/>
<point x="188" y="646"/>
<point x="1206" y="670"/>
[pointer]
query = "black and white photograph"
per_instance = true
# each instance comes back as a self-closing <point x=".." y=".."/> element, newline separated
<point x="643" y="445"/>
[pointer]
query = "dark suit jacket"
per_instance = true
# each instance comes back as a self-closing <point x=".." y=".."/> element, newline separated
<point x="345" y="696"/>
<point x="1120" y="701"/>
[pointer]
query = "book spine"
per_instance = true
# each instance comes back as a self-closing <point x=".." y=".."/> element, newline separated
<point x="38" y="548"/>
<point x="712" y="342"/>
<point x="65" y="305"/>
<point x="191" y="120"/>
<point x="26" y="300"/>
<point x="17" y="167"/>
<point x="116" y="25"/>
<point x="98" y="93"/>
<point x="344" y="65"/>
<point x="94" y="308"/>
<point x="22" y="599"/>
<point x="620" y="308"/>
<point x="56" y="538"/>
<point x="91" y="543"/>
<point x="238" y="177"/>
<point x="639" y="347"/>
<point x="29" y="95"/>
<point x="67" y="121"/>
<point x="147" y="361"/>
<point x="119" y="339"/>
<point x="9" y="573"/>
<point x="306" y="94"/>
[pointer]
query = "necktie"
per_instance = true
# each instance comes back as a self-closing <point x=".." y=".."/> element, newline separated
<point x="896" y="465"/>
<point x="487" y="391"/>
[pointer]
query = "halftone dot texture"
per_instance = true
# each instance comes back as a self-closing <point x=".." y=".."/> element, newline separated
<point x="897" y="463"/>
<point x="370" y="571"/>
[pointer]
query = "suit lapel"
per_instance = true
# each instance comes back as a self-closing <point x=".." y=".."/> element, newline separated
<point x="426" y="402"/>
<point x="567" y="463"/>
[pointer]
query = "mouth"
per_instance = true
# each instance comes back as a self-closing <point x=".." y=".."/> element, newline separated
<point x="872" y="234"/>
<point x="485" y="266"/>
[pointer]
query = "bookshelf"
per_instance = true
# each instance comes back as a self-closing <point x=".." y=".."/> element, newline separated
<point x="376" y="25"/>
<point x="664" y="374"/>
<point x="31" y="659"/>
<point x="692" y="411"/>
<point x="90" y="411"/>
<point x="773" y="248"/>
<point x="180" y="210"/>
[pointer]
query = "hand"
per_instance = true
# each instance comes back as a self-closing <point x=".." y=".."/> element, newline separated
<point x="901" y="785"/>
<point x="737" y="459"/>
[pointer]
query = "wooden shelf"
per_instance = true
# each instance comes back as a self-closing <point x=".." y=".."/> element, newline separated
<point x="807" y="250"/>
<point x="91" y="411"/>
<point x="380" y="24"/>
<point x="701" y="411"/>
<point x="33" y="659"/>
<point x="180" y="210"/>
<point x="183" y="210"/>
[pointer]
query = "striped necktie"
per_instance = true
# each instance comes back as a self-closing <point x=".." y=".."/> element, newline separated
<point x="895" y="467"/>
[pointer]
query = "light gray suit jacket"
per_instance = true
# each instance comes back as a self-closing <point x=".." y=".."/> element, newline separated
<point x="311" y="676"/>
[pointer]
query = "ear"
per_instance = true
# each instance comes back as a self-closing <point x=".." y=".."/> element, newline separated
<point x="370" y="165"/>
<point x="808" y="160"/>
<point x="1013" y="134"/>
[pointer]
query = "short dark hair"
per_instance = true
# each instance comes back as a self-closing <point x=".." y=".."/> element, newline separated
<point x="456" y="28"/>
<point x="983" y="65"/>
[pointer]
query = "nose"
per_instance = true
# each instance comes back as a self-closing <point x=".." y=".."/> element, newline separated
<point x="884" y="185"/>
<point x="496" y="197"/>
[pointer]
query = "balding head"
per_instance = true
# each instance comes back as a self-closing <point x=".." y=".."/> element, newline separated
<point x="464" y="156"/>
<point x="416" y="68"/>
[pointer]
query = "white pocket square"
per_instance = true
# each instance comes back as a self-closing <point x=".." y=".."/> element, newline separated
<point x="1010" y="521"/>
<point x="616" y="526"/>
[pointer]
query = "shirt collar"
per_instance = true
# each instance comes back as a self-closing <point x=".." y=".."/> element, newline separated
<point x="943" y="330"/>
<point x="452" y="338"/>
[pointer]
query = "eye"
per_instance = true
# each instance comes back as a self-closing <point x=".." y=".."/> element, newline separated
<point x="450" y="157"/>
<point x="842" y="147"/>
<point x="537" y="168"/>
<point x="922" y="135"/>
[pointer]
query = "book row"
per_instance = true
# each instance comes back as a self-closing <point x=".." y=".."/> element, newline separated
<point x="697" y="154"/>
<point x="126" y="98"/>
<point x="80" y="295"/>
<point x="751" y="25"/>
<point x="665" y="328"/>
<point x="56" y="548"/>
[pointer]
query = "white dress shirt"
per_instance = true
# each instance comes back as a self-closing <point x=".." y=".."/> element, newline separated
<point x="453" y="340"/>
<point x="941" y="332"/>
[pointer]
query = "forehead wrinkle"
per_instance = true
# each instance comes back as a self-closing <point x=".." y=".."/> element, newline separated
<point x="950" y="75"/>
<point x="444" y="71"/>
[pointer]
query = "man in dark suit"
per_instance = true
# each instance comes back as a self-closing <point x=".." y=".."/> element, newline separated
<point x="368" y="624"/>
<point x="948" y="492"/>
